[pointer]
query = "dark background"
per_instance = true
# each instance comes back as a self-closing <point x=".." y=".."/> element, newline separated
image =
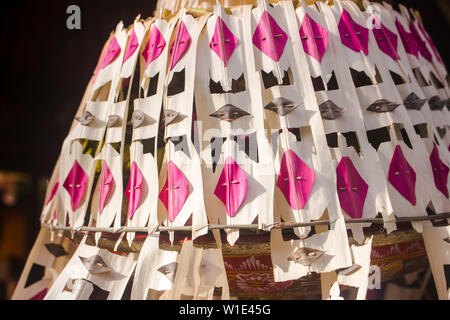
<point x="45" y="69"/>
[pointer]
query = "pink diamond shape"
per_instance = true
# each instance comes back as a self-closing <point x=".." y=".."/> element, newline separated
<point x="440" y="171"/>
<point x="431" y="43"/>
<point x="175" y="191"/>
<point x="133" y="43"/>
<point x="352" y="189"/>
<point x="353" y="35"/>
<point x="52" y="193"/>
<point x="421" y="44"/>
<point x="295" y="180"/>
<point x="112" y="53"/>
<point x="180" y="45"/>
<point x="314" y="38"/>
<point x="269" y="37"/>
<point x="75" y="184"/>
<point x="155" y="46"/>
<point x="134" y="189"/>
<point x="231" y="187"/>
<point x="409" y="43"/>
<point x="402" y="176"/>
<point x="105" y="186"/>
<point x="386" y="40"/>
<point x="223" y="41"/>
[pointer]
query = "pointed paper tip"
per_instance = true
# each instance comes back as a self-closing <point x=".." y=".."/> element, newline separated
<point x="97" y="237"/>
<point x="130" y="238"/>
<point x="171" y="238"/>
<point x="119" y="26"/>
<point x="116" y="245"/>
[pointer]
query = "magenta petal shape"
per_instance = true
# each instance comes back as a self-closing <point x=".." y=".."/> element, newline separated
<point x="409" y="42"/>
<point x="231" y="188"/>
<point x="402" y="176"/>
<point x="175" y="191"/>
<point x="39" y="296"/>
<point x="269" y="37"/>
<point x="431" y="43"/>
<point x="295" y="180"/>
<point x="155" y="46"/>
<point x="133" y="43"/>
<point x="387" y="41"/>
<point x="75" y="184"/>
<point x="223" y="42"/>
<point x="112" y="53"/>
<point x="440" y="171"/>
<point x="353" y="35"/>
<point x="180" y="45"/>
<point x="52" y="193"/>
<point x="420" y="43"/>
<point x="314" y="38"/>
<point x="351" y="187"/>
<point x="105" y="186"/>
<point x="134" y="189"/>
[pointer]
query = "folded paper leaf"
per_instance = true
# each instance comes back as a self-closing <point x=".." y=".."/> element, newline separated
<point x="402" y="176"/>
<point x="137" y="119"/>
<point x="413" y="102"/>
<point x="223" y="42"/>
<point x="175" y="191"/>
<point x="231" y="188"/>
<point x="229" y="113"/>
<point x="295" y="180"/>
<point x="353" y="35"/>
<point x="351" y="187"/>
<point x="269" y="37"/>
<point x="314" y="38"/>
<point x="95" y="264"/>
<point x="383" y="105"/>
<point x="75" y="184"/>
<point x="105" y="186"/>
<point x="306" y="256"/>
<point x="180" y="45"/>
<point x="169" y="270"/>
<point x="86" y="118"/>
<point x="440" y="171"/>
<point x="170" y="116"/>
<point x="155" y="46"/>
<point x="330" y="111"/>
<point x="134" y="189"/>
<point x="282" y="106"/>
<point x="113" y="121"/>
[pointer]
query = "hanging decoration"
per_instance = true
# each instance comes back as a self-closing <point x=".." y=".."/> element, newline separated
<point x="225" y="151"/>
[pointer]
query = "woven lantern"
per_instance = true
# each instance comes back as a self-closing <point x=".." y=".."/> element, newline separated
<point x="251" y="149"/>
